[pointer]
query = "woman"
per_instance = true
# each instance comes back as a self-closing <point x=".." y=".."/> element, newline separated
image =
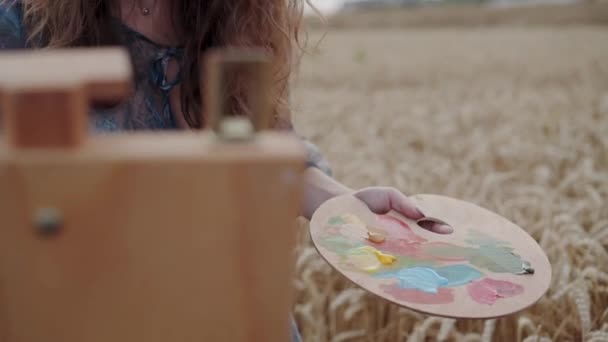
<point x="165" y="39"/>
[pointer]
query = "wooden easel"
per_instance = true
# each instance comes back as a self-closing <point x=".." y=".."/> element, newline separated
<point x="137" y="237"/>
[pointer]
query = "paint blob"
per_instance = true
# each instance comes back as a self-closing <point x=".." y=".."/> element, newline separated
<point x="447" y="251"/>
<point x="498" y="259"/>
<point x="364" y="262"/>
<point x="409" y="262"/>
<point x="458" y="275"/>
<point x="332" y="231"/>
<point x="352" y="219"/>
<point x="489" y="255"/>
<point x="385" y="259"/>
<point x="424" y="272"/>
<point x="419" y="278"/>
<point x="339" y="244"/>
<point x="367" y="258"/>
<point x="336" y="220"/>
<point x="488" y="291"/>
<point x="398" y="229"/>
<point x="443" y="296"/>
<point x="481" y="239"/>
<point x="375" y="237"/>
<point x="494" y="255"/>
<point x="398" y="246"/>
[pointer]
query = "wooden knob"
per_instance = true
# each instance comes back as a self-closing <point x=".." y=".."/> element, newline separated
<point x="44" y="95"/>
<point x="252" y="70"/>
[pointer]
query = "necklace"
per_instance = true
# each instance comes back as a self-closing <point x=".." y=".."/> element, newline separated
<point x="145" y="10"/>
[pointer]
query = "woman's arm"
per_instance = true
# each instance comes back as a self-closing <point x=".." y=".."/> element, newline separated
<point x="319" y="187"/>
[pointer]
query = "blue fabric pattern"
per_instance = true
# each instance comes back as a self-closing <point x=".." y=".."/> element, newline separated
<point x="12" y="34"/>
<point x="150" y="106"/>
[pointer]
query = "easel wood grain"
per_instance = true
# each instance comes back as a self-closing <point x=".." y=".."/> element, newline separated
<point x="44" y="95"/>
<point x="164" y="236"/>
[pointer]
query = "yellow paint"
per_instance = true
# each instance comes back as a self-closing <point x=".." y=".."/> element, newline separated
<point x="385" y="259"/>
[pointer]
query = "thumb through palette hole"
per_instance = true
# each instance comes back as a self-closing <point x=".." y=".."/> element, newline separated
<point x="436" y="226"/>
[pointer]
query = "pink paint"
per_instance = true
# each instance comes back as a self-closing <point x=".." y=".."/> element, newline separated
<point x="443" y="296"/>
<point x="398" y="229"/>
<point x="332" y="231"/>
<point x="398" y="246"/>
<point x="488" y="291"/>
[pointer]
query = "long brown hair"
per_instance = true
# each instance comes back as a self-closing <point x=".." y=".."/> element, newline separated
<point x="272" y="25"/>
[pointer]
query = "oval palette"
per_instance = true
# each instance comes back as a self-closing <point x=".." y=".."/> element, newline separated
<point x="487" y="268"/>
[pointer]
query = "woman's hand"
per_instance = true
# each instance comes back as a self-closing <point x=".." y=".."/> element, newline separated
<point x="320" y="188"/>
<point x="381" y="200"/>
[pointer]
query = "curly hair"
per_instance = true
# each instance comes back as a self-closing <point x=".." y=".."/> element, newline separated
<point x="270" y="25"/>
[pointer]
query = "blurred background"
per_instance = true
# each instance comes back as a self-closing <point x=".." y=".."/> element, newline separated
<point x="500" y="102"/>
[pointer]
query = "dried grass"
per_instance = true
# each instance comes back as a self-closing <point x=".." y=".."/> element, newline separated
<point x="515" y="120"/>
<point x="588" y="12"/>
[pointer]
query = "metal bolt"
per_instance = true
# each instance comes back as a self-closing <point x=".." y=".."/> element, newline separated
<point x="236" y="129"/>
<point x="48" y="221"/>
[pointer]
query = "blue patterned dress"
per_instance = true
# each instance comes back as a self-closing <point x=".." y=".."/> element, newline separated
<point x="149" y="108"/>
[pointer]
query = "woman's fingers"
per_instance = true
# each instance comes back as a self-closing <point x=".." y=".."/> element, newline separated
<point x="381" y="200"/>
<point x="437" y="227"/>
<point x="404" y="205"/>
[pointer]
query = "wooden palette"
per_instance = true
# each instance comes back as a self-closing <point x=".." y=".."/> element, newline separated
<point x="487" y="268"/>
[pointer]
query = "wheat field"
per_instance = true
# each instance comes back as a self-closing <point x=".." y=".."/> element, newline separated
<point x="514" y="119"/>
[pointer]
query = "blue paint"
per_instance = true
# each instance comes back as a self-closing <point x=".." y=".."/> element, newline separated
<point x="419" y="278"/>
<point x="458" y="274"/>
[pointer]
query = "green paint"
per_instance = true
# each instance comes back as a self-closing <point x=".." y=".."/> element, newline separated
<point x="494" y="255"/>
<point x="497" y="259"/>
<point x="336" y="220"/>
<point x="449" y="251"/>
<point x="359" y="250"/>
<point x="339" y="245"/>
<point x="481" y="239"/>
<point x="405" y="262"/>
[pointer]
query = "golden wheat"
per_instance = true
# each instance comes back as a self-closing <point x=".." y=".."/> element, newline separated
<point x="513" y="119"/>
